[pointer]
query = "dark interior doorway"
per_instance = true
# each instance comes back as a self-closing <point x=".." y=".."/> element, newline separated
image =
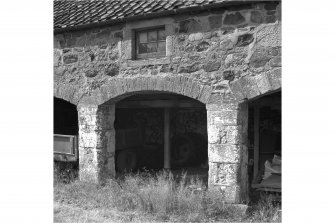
<point x="65" y="140"/>
<point x="141" y="129"/>
<point x="65" y="118"/>
<point x="264" y="134"/>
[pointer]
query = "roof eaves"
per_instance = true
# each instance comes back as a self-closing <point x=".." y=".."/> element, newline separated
<point x="153" y="15"/>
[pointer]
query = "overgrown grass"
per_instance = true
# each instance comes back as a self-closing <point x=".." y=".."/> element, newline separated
<point x="146" y="197"/>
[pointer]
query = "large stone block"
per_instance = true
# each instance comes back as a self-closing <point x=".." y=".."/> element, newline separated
<point x="70" y="58"/>
<point x="237" y="90"/>
<point x="96" y="118"/>
<point x="190" y="25"/>
<point x="263" y="83"/>
<point x="218" y="102"/>
<point x="259" y="58"/>
<point x="222" y="117"/>
<point x="233" y="19"/>
<point x="215" y="21"/>
<point x="195" y="36"/>
<point x="212" y="66"/>
<point x="235" y="60"/>
<point x="256" y="17"/>
<point x="88" y="175"/>
<point x="271" y="5"/>
<point x="88" y="168"/>
<point x="224" y="153"/>
<point x="223" y="134"/>
<point x="87" y="115"/>
<point x="196" y="90"/>
<point x="249" y="87"/>
<point x="205" y="94"/>
<point x="244" y="40"/>
<point x="224" y="174"/>
<point x="275" y="62"/>
<point x="231" y="193"/>
<point x="275" y="78"/>
<point x="88" y="139"/>
<point x="269" y="35"/>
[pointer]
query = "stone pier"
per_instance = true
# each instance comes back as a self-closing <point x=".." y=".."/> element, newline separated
<point x="96" y="143"/>
<point x="227" y="151"/>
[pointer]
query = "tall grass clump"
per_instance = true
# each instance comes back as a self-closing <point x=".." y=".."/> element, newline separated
<point x="162" y="196"/>
<point x="266" y="210"/>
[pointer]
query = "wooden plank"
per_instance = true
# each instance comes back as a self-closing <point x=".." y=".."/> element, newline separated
<point x="64" y="144"/>
<point x="266" y="102"/>
<point x="269" y="189"/>
<point x="256" y="141"/>
<point x="65" y="157"/>
<point x="167" y="152"/>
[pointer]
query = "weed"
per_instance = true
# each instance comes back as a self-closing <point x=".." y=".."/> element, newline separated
<point x="152" y="197"/>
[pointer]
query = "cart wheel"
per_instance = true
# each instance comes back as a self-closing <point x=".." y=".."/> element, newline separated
<point x="182" y="150"/>
<point x="126" y="160"/>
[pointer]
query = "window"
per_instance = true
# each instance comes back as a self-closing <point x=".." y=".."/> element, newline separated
<point x="150" y="43"/>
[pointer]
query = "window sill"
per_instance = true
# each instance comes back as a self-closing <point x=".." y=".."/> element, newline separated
<point x="149" y="61"/>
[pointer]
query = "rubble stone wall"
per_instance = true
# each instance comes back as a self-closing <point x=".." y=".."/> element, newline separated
<point x="236" y="51"/>
<point x="221" y="57"/>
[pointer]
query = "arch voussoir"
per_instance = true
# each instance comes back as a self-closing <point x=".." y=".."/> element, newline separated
<point x="173" y="84"/>
<point x="67" y="93"/>
<point x="250" y="87"/>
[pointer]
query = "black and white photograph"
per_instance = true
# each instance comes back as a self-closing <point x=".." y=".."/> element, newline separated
<point x="167" y="111"/>
<point x="172" y="107"/>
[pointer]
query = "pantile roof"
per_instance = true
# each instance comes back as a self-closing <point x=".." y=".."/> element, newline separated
<point x="72" y="13"/>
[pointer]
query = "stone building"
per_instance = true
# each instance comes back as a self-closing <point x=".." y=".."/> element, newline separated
<point x="221" y="55"/>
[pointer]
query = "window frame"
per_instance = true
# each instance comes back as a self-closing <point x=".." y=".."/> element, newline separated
<point x="142" y="56"/>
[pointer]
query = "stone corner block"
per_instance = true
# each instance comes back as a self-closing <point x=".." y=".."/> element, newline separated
<point x="222" y="117"/>
<point x="249" y="87"/>
<point x="275" y="78"/>
<point x="223" y="174"/>
<point x="237" y="90"/>
<point x="231" y="194"/>
<point x="224" y="134"/>
<point x="224" y="153"/>
<point x="263" y="83"/>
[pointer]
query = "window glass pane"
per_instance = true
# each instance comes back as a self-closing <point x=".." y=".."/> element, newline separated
<point x="152" y="47"/>
<point x="161" y="46"/>
<point x="142" y="48"/>
<point x="161" y="35"/>
<point x="153" y="36"/>
<point x="143" y="37"/>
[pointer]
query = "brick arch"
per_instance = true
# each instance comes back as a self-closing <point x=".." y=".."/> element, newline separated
<point x="119" y="87"/>
<point x="250" y="87"/>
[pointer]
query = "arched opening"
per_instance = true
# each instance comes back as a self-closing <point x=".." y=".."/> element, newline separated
<point x="65" y="139"/>
<point x="65" y="117"/>
<point x="264" y="133"/>
<point x="155" y="131"/>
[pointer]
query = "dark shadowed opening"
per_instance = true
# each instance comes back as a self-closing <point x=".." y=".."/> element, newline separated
<point x="65" y="117"/>
<point x="264" y="138"/>
<point x="65" y="140"/>
<point x="144" y="121"/>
